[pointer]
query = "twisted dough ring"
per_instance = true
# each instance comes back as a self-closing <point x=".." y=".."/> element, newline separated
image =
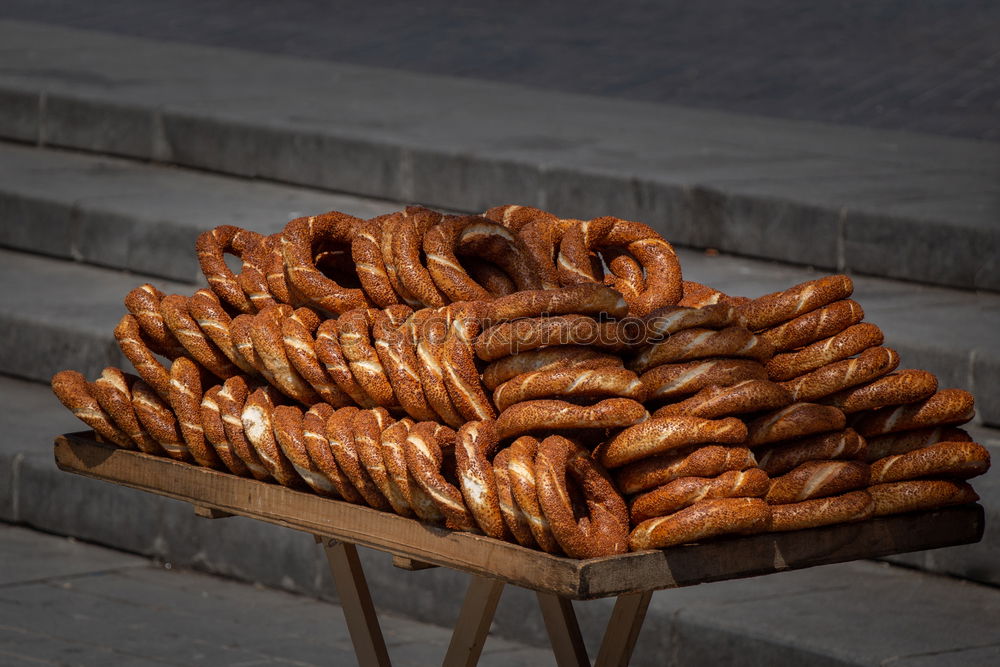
<point x="178" y="317"/>
<point x="490" y="277"/>
<point x="740" y="398"/>
<point x="253" y="278"/>
<point x="159" y="421"/>
<point x="574" y="300"/>
<point x="185" y="399"/>
<point x="430" y="328"/>
<point x="341" y="430"/>
<point x="901" y="387"/>
<point x="144" y="303"/>
<point x="816" y="479"/>
<point x="522" y="335"/>
<point x="330" y="353"/>
<point x="314" y="429"/>
<point x="575" y="383"/>
<point x="845" y="444"/>
<point x="845" y="508"/>
<point x="232" y="399"/>
<point x="269" y="345"/>
<point x="258" y="425"/>
<point x="900" y="443"/>
<point x="289" y="432"/>
<point x="354" y="331"/>
<point x="794" y="421"/>
<point x="849" y="342"/>
<point x="701" y="521"/>
<point x="73" y="391"/>
<point x="710" y="461"/>
<point x="961" y="460"/>
<point x="524" y="487"/>
<point x="394" y="452"/>
<point x="475" y="445"/>
<point x="211" y="246"/>
<point x="697" y="295"/>
<point x="424" y="459"/>
<point x="300" y="349"/>
<point x="687" y="491"/>
<point x="677" y="381"/>
<point x="387" y="466"/>
<point x="407" y="247"/>
<point x="302" y="240"/>
<point x="871" y="364"/>
<point x="366" y="251"/>
<point x="945" y="408"/>
<point x="814" y="325"/>
<point x="545" y="359"/>
<point x="390" y="225"/>
<point x="215" y="432"/>
<point x="604" y="530"/>
<point x="514" y="517"/>
<point x="662" y="273"/>
<point x="773" y="309"/>
<point x="113" y="391"/>
<point x="214" y="322"/>
<point x="397" y="351"/>
<point x="369" y="427"/>
<point x="539" y="231"/>
<point x="461" y="376"/>
<point x="669" y="320"/>
<point x="133" y="345"/>
<point x="554" y="415"/>
<point x="736" y="341"/>
<point x="920" y="494"/>
<point x="659" y="436"/>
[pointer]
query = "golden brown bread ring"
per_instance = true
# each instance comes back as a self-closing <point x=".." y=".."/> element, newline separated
<point x="329" y="352"/>
<point x="709" y="461"/>
<point x="956" y="460"/>
<point x="211" y="246"/>
<point x="461" y="376"/>
<point x="882" y="446"/>
<point x="424" y="460"/>
<point x="274" y="270"/>
<point x="659" y="436"/>
<point x="945" y="408"/>
<point x="696" y="295"/>
<point x="429" y="328"/>
<point x="687" y="491"/>
<point x="816" y="479"/>
<point x="366" y="252"/>
<point x="514" y="517"/>
<point x="300" y="349"/>
<point x="554" y="415"/>
<point x="258" y="425"/>
<point x="814" y="325"/>
<point x="677" y="381"/>
<point x="587" y="299"/>
<point x="697" y="343"/>
<point x="289" y="431"/>
<point x="300" y="244"/>
<point x="369" y="426"/>
<point x="394" y="453"/>
<point x="920" y="494"/>
<point x="627" y="272"/>
<point x="178" y="317"/>
<point x="490" y="276"/>
<point x="740" y="398"/>
<point x="871" y="364"/>
<point x="701" y="521"/>
<point x="390" y="225"/>
<point x="778" y="307"/>
<point x="524" y="486"/>
<point x="671" y="319"/>
<point x="901" y="387"/>
<point x="539" y="231"/>
<point x="531" y="333"/>
<point x="575" y="383"/>
<point x="113" y="391"/>
<point x="269" y="343"/>
<point x="231" y="400"/>
<point x="144" y="303"/>
<point x="354" y="331"/>
<point x="475" y="445"/>
<point x="156" y="417"/>
<point x="73" y="391"/>
<point x="253" y="278"/>
<point x="213" y="321"/>
<point x="215" y="432"/>
<point x="382" y="463"/>
<point x="794" y="421"/>
<point x="341" y="430"/>
<point x="544" y="359"/>
<point x="407" y="246"/>
<point x="845" y="444"/>
<point x="314" y="431"/>
<point x="845" y="508"/>
<point x="136" y="350"/>
<point x="514" y="217"/>
<point x="397" y="352"/>
<point x="185" y="400"/>
<point x="239" y="332"/>
<point x="851" y="341"/>
<point x="603" y="530"/>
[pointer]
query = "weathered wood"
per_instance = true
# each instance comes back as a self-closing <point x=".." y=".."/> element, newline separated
<point x="727" y="558"/>
<point x="404" y="563"/>
<point x="623" y="629"/>
<point x="356" y="600"/>
<point x="564" y="631"/>
<point x="473" y="623"/>
<point x="210" y="512"/>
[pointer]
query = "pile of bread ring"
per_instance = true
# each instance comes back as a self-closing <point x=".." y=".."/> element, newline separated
<point x="545" y="381"/>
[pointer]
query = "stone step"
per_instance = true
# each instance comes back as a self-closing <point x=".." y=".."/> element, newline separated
<point x="861" y="613"/>
<point x="139" y="217"/>
<point x="893" y="204"/>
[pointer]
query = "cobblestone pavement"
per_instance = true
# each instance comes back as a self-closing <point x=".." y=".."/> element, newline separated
<point x="928" y="67"/>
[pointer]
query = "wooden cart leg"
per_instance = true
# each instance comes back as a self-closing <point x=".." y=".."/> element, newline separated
<point x="564" y="632"/>
<point x="623" y="629"/>
<point x="473" y="623"/>
<point x="352" y="588"/>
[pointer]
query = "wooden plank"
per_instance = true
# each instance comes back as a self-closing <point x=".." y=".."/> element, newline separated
<point x="623" y="629"/>
<point x="356" y="600"/>
<point x="404" y="563"/>
<point x="564" y="631"/>
<point x="473" y="623"/>
<point x="727" y="558"/>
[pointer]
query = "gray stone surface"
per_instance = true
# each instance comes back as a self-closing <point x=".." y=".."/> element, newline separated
<point x="822" y="195"/>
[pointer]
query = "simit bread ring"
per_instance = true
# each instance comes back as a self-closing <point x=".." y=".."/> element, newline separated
<point x="794" y="421"/>
<point x="397" y="352"/>
<point x="697" y="295"/>
<point x="424" y="460"/>
<point x="710" y="461"/>
<point x="215" y="432"/>
<point x="185" y="399"/>
<point x="574" y="383"/>
<point x="544" y="359"/>
<point x="134" y="347"/>
<point x="659" y="436"/>
<point x="156" y="417"/>
<point x="113" y="391"/>
<point x="390" y="225"/>
<point x="211" y="246"/>
<point x="239" y="333"/>
<point x="845" y="508"/>
<point x="213" y="321"/>
<point x="539" y="231"/>
<point x="961" y="460"/>
<point x="528" y="334"/>
<point x="814" y="325"/>
<point x="144" y="303"/>
<point x="341" y="431"/>
<point x="73" y="391"/>
<point x="553" y="415"/>
<point x="269" y="344"/>
<point x="687" y="491"/>
<point x="676" y="381"/>
<point x="669" y="320"/>
<point x="816" y="479"/>
<point x="945" y="408"/>
<point x="475" y="444"/>
<point x="366" y="252"/>
<point x="300" y="350"/>
<point x="407" y="248"/>
<point x="369" y="426"/>
<point x="354" y="331"/>
<point x="740" y="398"/>
<point x="329" y="352"/>
<point x="604" y="529"/>
<point x="849" y="342"/>
<point x="920" y="494"/>
<point x="773" y="309"/>
<point x="901" y="387"/>
<point x="394" y="452"/>
<point x="253" y="279"/>
<point x="258" y="425"/>
<point x="700" y="343"/>
<point x="490" y="276"/>
<point x="390" y="477"/>
<point x="701" y="521"/>
<point x="461" y="376"/>
<point x="177" y="316"/>
<point x="231" y="399"/>
<point x="514" y="518"/>
<point x="320" y="453"/>
<point x="430" y="327"/>
<point x="290" y="434"/>
<point x="882" y="446"/>
<point x="301" y="242"/>
<point x="524" y="485"/>
<point x="578" y="299"/>
<point x="871" y="364"/>
<point x="845" y="444"/>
